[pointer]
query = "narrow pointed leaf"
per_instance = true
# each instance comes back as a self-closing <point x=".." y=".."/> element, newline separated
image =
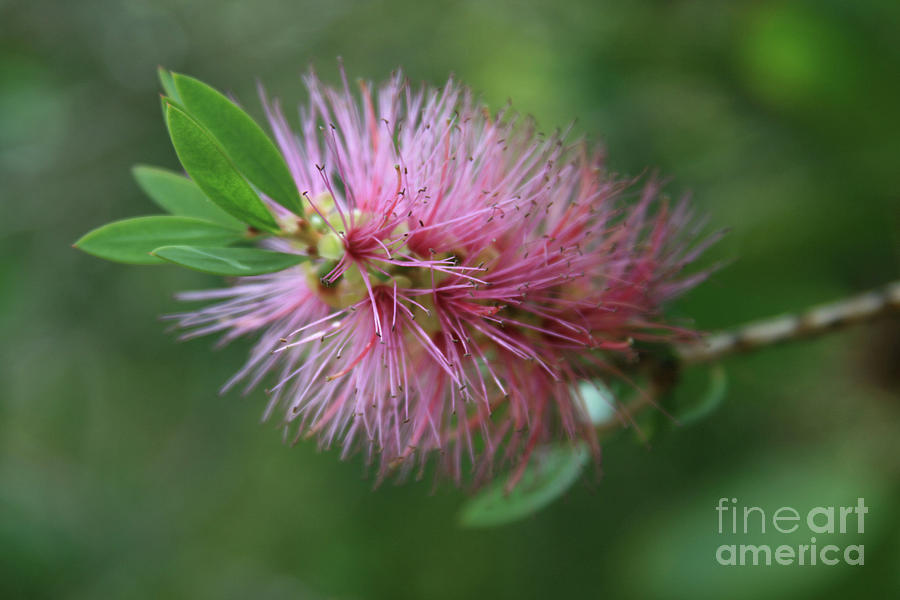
<point x="168" y="84"/>
<point x="209" y="167"/>
<point x="132" y="240"/>
<point x="180" y="196"/>
<point x="229" y="261"/>
<point x="550" y="473"/>
<point x="243" y="140"/>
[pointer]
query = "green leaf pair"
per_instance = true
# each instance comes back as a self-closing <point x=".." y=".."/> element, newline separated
<point x="215" y="174"/>
<point x="223" y="149"/>
<point x="228" y="157"/>
<point x="133" y="240"/>
<point x="183" y="240"/>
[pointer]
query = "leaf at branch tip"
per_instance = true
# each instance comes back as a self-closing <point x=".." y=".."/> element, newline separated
<point x="710" y="400"/>
<point x="168" y="84"/>
<point x="210" y="168"/>
<point x="229" y="261"/>
<point x="552" y="471"/>
<point x="243" y="140"/>
<point x="132" y="240"/>
<point x="178" y="195"/>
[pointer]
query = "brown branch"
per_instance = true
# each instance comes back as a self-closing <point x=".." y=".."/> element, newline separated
<point x="813" y="322"/>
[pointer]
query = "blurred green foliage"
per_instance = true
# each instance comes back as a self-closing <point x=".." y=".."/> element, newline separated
<point x="123" y="474"/>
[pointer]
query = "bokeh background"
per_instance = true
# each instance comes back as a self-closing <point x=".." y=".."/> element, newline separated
<point x="124" y="475"/>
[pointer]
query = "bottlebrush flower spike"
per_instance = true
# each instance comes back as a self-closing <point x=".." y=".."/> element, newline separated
<point x="465" y="273"/>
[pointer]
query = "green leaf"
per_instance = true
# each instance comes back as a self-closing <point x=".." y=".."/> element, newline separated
<point x="180" y="196"/>
<point x="168" y="84"/>
<point x="214" y="173"/>
<point x="709" y="401"/>
<point x="229" y="261"/>
<point x="242" y="139"/>
<point x="132" y="240"/>
<point x="551" y="472"/>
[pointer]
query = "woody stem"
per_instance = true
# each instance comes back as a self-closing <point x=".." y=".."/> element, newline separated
<point x="810" y="323"/>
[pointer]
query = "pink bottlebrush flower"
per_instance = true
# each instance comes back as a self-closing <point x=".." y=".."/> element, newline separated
<point x="467" y="273"/>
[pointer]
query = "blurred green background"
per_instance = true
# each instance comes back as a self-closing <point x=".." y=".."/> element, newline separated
<point x="124" y="475"/>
